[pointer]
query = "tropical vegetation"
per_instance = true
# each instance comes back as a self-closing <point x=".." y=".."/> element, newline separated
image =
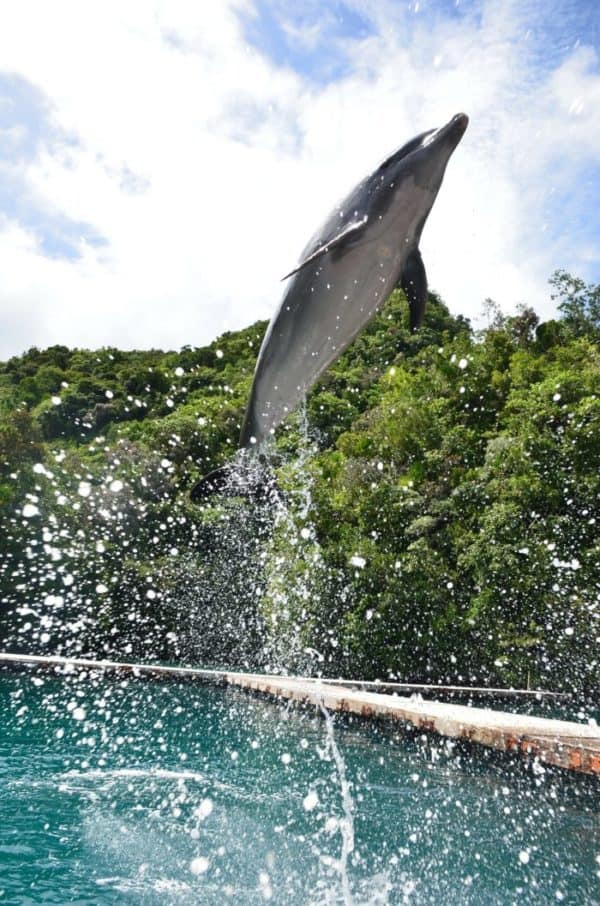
<point x="436" y="517"/>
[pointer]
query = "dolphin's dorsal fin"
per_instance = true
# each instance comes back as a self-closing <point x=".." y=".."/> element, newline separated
<point x="413" y="281"/>
<point x="349" y="232"/>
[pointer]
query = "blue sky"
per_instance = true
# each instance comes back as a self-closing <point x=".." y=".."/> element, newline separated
<point x="313" y="39"/>
<point x="317" y="39"/>
<point x="162" y="165"/>
<point x="26" y="128"/>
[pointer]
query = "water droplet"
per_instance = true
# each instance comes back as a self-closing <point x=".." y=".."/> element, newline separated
<point x="204" y="809"/>
<point x="310" y="801"/>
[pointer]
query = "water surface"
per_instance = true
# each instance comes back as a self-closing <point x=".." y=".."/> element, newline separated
<point x="133" y="791"/>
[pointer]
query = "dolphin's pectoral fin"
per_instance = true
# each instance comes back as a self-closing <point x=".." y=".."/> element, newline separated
<point x="413" y="281"/>
<point x="348" y="235"/>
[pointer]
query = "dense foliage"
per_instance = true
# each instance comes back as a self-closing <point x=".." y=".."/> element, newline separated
<point x="438" y="517"/>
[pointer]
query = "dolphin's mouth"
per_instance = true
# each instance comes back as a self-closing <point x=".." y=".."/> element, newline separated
<point x="453" y="130"/>
<point x="457" y="125"/>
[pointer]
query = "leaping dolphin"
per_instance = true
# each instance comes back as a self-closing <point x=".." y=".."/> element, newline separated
<point x="368" y="244"/>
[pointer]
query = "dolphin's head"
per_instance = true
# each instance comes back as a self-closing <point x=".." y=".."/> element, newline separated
<point x="409" y="179"/>
<point x="435" y="150"/>
<point x="441" y="142"/>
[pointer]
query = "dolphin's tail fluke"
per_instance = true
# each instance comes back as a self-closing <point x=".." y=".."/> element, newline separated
<point x="256" y="481"/>
<point x="214" y="483"/>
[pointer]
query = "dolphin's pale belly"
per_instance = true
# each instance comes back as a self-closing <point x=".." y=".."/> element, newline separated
<point x="326" y="305"/>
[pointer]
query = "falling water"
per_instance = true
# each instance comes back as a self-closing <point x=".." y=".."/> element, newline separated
<point x="346" y="824"/>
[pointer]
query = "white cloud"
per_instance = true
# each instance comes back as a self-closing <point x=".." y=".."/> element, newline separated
<point x="206" y="168"/>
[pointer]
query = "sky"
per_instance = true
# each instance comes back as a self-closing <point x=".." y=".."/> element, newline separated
<point x="163" y="163"/>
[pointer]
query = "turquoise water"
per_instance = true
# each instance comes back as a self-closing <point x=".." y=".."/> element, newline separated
<point x="130" y="791"/>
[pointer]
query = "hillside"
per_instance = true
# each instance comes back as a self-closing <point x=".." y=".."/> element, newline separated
<point x="439" y="516"/>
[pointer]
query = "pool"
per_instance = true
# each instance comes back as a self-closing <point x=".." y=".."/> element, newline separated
<point x="137" y="791"/>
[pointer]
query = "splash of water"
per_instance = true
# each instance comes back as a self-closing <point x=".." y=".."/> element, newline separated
<point x="302" y="592"/>
<point x="346" y="825"/>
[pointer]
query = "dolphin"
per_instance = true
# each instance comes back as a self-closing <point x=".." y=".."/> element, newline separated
<point x="366" y="247"/>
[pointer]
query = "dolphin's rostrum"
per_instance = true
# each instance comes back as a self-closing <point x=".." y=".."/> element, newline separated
<point x="367" y="245"/>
